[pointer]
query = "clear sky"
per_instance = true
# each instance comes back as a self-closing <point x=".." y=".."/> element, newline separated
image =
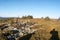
<point x="36" y="8"/>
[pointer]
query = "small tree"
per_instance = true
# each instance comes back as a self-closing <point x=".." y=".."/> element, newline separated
<point x="47" y="18"/>
<point x="23" y="17"/>
<point x="42" y="17"/>
<point x="27" y="17"/>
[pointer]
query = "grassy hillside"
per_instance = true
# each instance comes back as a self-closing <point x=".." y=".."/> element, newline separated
<point x="44" y="26"/>
<point x="47" y="26"/>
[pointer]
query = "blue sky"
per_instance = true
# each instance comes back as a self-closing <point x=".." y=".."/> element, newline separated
<point x="36" y="8"/>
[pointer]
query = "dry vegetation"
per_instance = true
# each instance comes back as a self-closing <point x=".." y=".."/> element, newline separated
<point x="47" y="26"/>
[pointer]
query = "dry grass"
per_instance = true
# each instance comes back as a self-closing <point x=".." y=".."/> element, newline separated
<point x="47" y="25"/>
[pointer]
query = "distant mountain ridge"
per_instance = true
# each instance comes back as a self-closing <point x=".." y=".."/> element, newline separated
<point x="3" y="18"/>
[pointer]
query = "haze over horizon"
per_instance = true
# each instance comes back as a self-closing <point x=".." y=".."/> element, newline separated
<point x="36" y="8"/>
